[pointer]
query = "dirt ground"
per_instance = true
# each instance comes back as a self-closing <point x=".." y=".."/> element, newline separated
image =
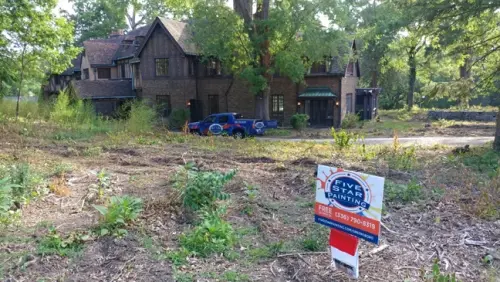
<point x="416" y="233"/>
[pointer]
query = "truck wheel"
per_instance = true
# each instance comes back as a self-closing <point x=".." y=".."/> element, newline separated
<point x="195" y="132"/>
<point x="238" y="134"/>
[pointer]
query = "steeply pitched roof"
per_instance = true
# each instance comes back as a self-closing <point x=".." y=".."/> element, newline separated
<point x="75" y="66"/>
<point x="101" y="51"/>
<point x="86" y="89"/>
<point x="128" y="47"/>
<point x="181" y="34"/>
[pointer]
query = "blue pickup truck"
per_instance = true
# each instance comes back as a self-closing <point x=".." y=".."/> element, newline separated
<point x="231" y="124"/>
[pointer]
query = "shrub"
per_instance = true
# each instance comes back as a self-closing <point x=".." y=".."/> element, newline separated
<point x="120" y="211"/>
<point x="178" y="118"/>
<point x="201" y="189"/>
<point x="350" y="121"/>
<point x="6" y="200"/>
<point x="299" y="121"/>
<point x="72" y="113"/>
<point x="54" y="244"/>
<point x="212" y="235"/>
<point x="141" y="118"/>
<point x="404" y="193"/>
<point x="342" y="138"/>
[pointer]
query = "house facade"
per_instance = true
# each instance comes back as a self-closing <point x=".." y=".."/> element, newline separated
<point x="159" y="64"/>
<point x="168" y="71"/>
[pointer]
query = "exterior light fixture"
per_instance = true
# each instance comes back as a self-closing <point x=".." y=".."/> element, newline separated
<point x="298" y="103"/>
<point x="337" y="103"/>
<point x="188" y="103"/>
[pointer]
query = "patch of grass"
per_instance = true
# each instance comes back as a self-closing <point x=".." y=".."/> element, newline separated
<point x="403" y="193"/>
<point x="141" y="118"/>
<point x="183" y="276"/>
<point x="278" y="132"/>
<point x="92" y="151"/>
<point x="350" y="121"/>
<point x="234" y="276"/>
<point x="266" y="252"/>
<point x="61" y="169"/>
<point x="443" y="123"/>
<point x="178" y="257"/>
<point x="316" y="239"/>
<point x="343" y="139"/>
<point x="482" y="159"/>
<point x="55" y="244"/>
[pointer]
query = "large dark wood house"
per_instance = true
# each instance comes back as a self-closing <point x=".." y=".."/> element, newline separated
<point x="167" y="70"/>
<point x="160" y="64"/>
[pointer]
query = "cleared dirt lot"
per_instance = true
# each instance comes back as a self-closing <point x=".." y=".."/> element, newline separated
<point x="440" y="221"/>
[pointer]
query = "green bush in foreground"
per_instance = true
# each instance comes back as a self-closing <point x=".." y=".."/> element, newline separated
<point x="299" y="121"/>
<point x="212" y="235"/>
<point x="342" y="138"/>
<point x="141" y="118"/>
<point x="350" y="121"/>
<point x="178" y="118"/>
<point x="120" y="211"/>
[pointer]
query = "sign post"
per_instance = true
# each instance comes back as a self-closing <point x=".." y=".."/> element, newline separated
<point x="350" y="203"/>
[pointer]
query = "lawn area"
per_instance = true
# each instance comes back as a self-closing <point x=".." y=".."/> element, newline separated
<point x="403" y="123"/>
<point x="438" y="206"/>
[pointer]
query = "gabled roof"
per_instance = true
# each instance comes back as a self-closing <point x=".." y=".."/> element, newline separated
<point x="88" y="89"/>
<point x="128" y="46"/>
<point x="101" y="51"/>
<point x="178" y="31"/>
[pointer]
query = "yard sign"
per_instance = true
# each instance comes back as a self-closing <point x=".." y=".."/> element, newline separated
<point x="349" y="201"/>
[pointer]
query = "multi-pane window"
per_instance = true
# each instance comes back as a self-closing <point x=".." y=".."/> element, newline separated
<point x="214" y="68"/>
<point x="190" y="67"/>
<point x="86" y="74"/>
<point x="122" y="70"/>
<point x="164" y="105"/>
<point x="277" y="104"/>
<point x="104" y="73"/>
<point x="161" y="66"/>
<point x="213" y="104"/>
<point x="348" y="102"/>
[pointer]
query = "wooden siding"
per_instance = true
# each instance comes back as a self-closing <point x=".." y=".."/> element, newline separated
<point x="160" y="45"/>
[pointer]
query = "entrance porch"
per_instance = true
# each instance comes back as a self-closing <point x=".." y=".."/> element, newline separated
<point x="320" y="104"/>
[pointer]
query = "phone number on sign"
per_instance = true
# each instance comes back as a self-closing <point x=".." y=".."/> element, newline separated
<point x="354" y="220"/>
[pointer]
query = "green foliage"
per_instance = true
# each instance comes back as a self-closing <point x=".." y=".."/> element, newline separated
<point x="212" y="235"/>
<point x="299" y="121"/>
<point x="350" y="121"/>
<point x="103" y="183"/>
<point x="268" y="251"/>
<point x="92" y="151"/>
<point x="7" y="215"/>
<point x="404" y="193"/>
<point x="121" y="211"/>
<point x="234" y="276"/>
<point x="484" y="160"/>
<point x="343" y="139"/>
<point x="201" y="189"/>
<point x="178" y="118"/>
<point x="437" y="276"/>
<point x="315" y="240"/>
<point x="54" y="244"/>
<point x="141" y="118"/>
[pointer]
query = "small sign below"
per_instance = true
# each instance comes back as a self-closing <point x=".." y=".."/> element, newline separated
<point x="349" y="201"/>
<point x="344" y="250"/>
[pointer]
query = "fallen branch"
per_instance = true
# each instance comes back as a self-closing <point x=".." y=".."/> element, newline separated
<point x="387" y="228"/>
<point x="378" y="249"/>
<point x="474" y="243"/>
<point x="271" y="267"/>
<point x="407" y="267"/>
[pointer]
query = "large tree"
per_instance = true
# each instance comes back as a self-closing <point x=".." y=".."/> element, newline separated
<point x="282" y="37"/>
<point x="98" y="18"/>
<point x="479" y="21"/>
<point x="35" y="40"/>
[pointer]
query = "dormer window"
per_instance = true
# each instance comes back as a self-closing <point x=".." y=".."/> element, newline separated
<point x="320" y="67"/>
<point x="214" y="68"/>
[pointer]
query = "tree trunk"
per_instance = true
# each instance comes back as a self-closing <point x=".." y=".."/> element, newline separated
<point x="465" y="74"/>
<point x="412" y="63"/>
<point x="20" y="82"/>
<point x="262" y="104"/>
<point x="496" y="143"/>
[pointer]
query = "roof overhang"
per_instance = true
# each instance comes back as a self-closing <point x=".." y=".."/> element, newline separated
<point x="317" y="93"/>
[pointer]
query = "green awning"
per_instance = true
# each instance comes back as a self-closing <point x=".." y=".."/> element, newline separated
<point x="317" y="92"/>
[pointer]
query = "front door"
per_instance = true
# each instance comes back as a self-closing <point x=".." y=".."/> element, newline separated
<point x="319" y="112"/>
